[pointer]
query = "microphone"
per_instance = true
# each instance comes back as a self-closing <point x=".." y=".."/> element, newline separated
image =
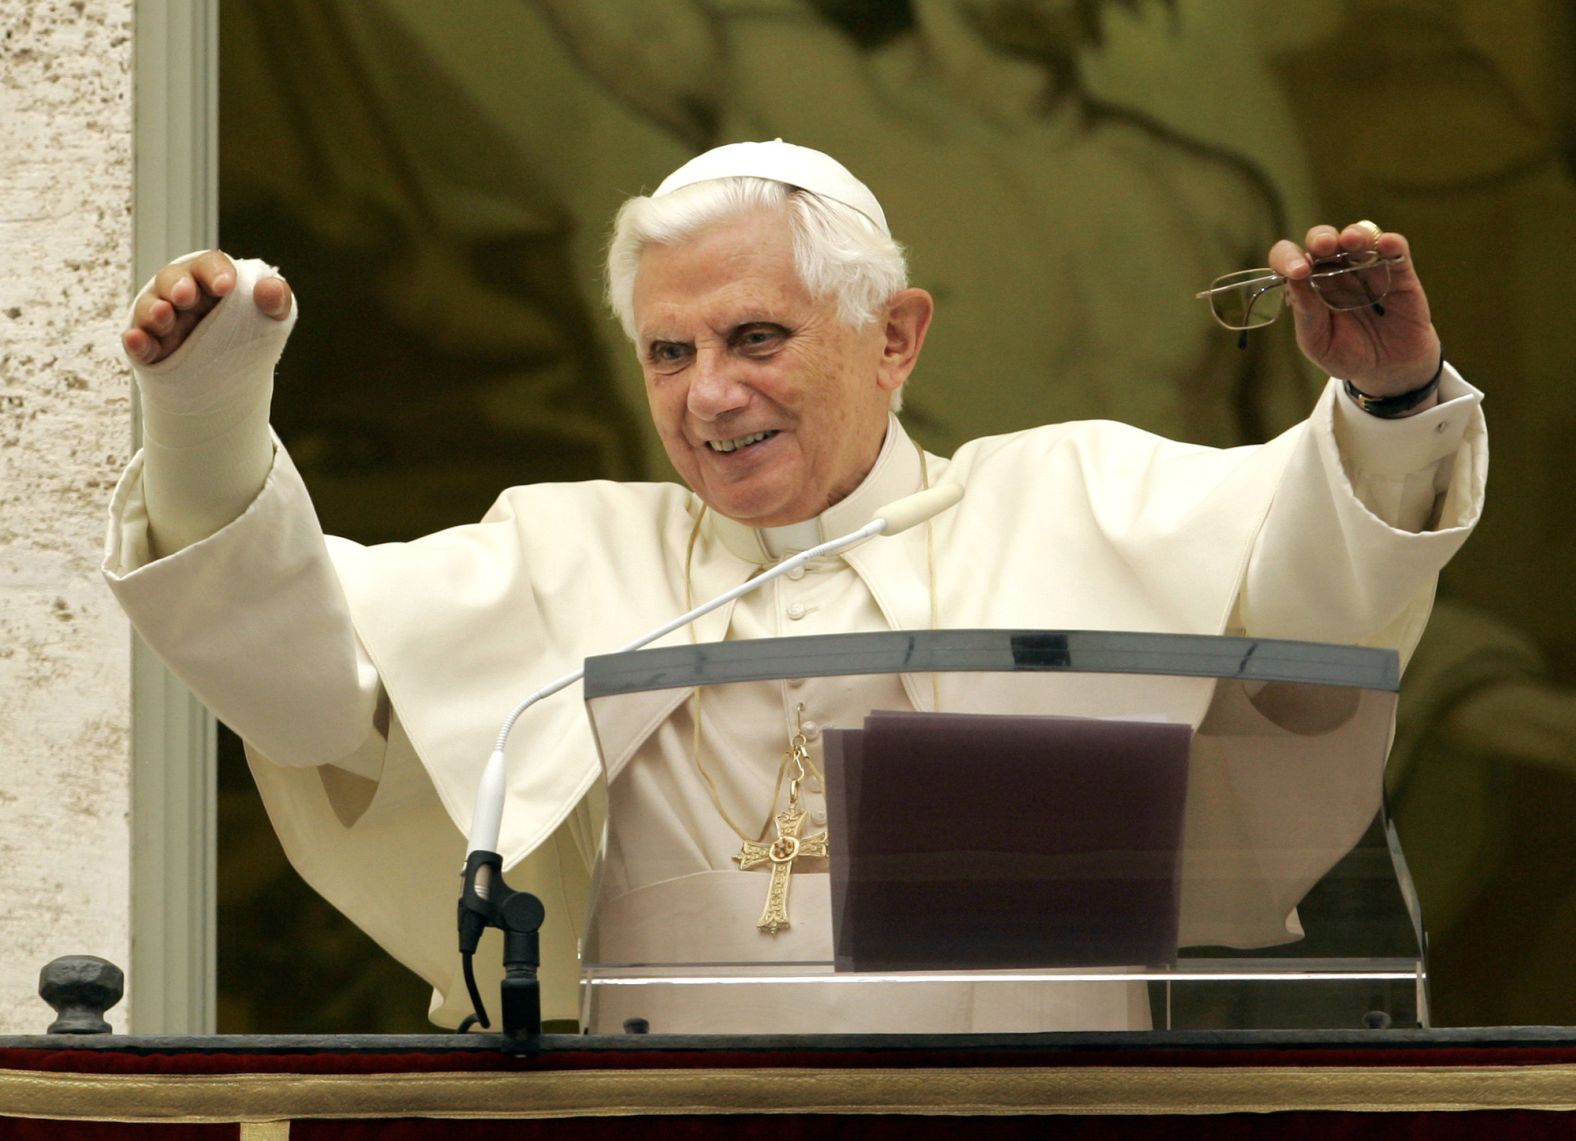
<point x="912" y="510"/>
<point x="483" y="865"/>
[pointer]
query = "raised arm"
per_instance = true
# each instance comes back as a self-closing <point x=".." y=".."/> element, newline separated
<point x="206" y="379"/>
<point x="1386" y="479"/>
<point x="215" y="551"/>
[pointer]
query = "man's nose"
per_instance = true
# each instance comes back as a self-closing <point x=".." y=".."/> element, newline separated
<point x="715" y="386"/>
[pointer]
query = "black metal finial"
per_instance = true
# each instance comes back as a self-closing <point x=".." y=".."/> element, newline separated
<point x="81" y="988"/>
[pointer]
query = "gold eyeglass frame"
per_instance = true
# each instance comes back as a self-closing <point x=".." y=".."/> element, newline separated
<point x="1326" y="273"/>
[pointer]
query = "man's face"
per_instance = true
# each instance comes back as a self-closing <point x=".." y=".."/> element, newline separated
<point x="770" y="408"/>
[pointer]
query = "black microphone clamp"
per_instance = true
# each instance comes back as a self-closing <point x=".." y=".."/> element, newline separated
<point x="487" y="901"/>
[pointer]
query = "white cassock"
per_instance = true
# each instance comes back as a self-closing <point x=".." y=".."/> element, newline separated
<point x="369" y="683"/>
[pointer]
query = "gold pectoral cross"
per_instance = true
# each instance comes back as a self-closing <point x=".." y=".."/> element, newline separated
<point x="781" y="853"/>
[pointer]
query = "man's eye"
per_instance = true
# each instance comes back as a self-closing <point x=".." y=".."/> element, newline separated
<point x="759" y="338"/>
<point x="667" y="355"/>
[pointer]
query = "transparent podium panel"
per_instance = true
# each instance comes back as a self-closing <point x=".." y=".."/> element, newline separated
<point x="994" y="831"/>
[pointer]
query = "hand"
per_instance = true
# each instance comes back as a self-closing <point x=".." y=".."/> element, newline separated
<point x="1381" y="354"/>
<point x="182" y="294"/>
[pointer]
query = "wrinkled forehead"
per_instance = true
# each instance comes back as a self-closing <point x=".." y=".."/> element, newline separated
<point x="736" y="268"/>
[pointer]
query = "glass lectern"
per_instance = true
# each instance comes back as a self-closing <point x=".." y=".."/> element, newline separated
<point x="999" y="831"/>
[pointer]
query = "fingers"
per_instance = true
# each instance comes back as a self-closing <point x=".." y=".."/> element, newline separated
<point x="272" y="296"/>
<point x="1392" y="245"/>
<point x="1326" y="241"/>
<point x="181" y="293"/>
<point x="211" y="273"/>
<point x="1288" y="260"/>
<point x="184" y="292"/>
<point x="193" y="283"/>
<point x="1296" y="263"/>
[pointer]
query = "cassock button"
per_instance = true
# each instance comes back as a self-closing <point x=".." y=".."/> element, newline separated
<point x="818" y="818"/>
<point x="796" y="574"/>
<point x="796" y="611"/>
<point x="810" y="729"/>
<point x="795" y="682"/>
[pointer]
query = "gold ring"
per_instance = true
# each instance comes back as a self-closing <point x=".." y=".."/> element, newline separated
<point x="1371" y="228"/>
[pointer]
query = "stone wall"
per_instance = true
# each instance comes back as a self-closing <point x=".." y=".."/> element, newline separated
<point x="65" y="253"/>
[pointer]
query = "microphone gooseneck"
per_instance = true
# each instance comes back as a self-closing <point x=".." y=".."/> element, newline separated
<point x="486" y="900"/>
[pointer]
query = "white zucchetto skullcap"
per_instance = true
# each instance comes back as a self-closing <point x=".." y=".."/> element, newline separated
<point x="780" y="162"/>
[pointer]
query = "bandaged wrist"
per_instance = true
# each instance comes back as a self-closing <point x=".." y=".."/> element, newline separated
<point x="206" y="446"/>
<point x="193" y="491"/>
<point x="218" y="373"/>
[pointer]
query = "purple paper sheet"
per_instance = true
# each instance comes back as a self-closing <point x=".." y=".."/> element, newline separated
<point x="968" y="841"/>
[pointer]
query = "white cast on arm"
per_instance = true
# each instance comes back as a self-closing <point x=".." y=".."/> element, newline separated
<point x="206" y="445"/>
<point x="207" y="454"/>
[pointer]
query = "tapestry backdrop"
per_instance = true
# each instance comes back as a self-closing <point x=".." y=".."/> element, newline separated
<point x="436" y="181"/>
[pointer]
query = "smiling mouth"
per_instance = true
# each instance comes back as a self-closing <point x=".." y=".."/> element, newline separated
<point x="738" y="442"/>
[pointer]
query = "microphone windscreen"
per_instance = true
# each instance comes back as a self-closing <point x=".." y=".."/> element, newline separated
<point x="904" y="513"/>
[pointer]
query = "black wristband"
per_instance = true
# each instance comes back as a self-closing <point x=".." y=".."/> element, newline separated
<point x="1389" y="407"/>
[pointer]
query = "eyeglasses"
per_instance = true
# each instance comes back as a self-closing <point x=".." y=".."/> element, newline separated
<point x="1253" y="298"/>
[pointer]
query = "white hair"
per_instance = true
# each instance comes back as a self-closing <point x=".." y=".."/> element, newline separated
<point x="837" y="251"/>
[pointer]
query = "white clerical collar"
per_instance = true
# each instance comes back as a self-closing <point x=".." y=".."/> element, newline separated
<point x="896" y="473"/>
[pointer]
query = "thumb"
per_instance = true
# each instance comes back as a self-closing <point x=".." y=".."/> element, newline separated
<point x="272" y="297"/>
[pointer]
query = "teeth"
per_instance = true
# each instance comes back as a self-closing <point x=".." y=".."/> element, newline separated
<point x="735" y="444"/>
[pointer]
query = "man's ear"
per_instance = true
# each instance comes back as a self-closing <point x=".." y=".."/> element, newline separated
<point x="907" y="320"/>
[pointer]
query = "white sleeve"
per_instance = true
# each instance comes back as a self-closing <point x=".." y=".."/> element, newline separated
<point x="1365" y="514"/>
<point x="254" y="619"/>
<point x="1399" y="469"/>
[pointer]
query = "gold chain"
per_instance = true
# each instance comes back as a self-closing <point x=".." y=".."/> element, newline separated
<point x="696" y="750"/>
<point x="930" y="569"/>
<point x="798" y="752"/>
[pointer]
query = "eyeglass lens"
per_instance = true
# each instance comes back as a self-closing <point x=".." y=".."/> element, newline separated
<point x="1248" y="299"/>
<point x="1352" y="280"/>
<point x="1253" y="298"/>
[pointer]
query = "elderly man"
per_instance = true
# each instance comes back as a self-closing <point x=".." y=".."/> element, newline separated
<point x="771" y="313"/>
